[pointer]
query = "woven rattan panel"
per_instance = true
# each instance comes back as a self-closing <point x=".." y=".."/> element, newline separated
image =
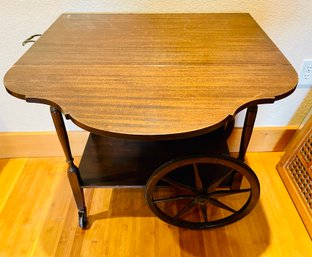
<point x="300" y="174"/>
<point x="295" y="169"/>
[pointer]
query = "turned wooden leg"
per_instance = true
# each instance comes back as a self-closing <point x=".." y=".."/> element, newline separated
<point x="249" y="123"/>
<point x="72" y="171"/>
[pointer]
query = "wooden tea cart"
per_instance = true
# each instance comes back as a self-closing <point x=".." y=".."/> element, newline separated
<point x="159" y="94"/>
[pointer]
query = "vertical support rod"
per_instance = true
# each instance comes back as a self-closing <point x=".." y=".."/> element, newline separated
<point x="249" y="123"/>
<point x="72" y="171"/>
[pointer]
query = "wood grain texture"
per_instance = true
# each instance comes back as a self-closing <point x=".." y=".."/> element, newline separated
<point x="152" y="74"/>
<point x="38" y="218"/>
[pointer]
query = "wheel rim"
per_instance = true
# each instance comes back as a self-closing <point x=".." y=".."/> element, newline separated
<point x="195" y="191"/>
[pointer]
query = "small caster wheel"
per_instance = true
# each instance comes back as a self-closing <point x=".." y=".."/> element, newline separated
<point x="82" y="219"/>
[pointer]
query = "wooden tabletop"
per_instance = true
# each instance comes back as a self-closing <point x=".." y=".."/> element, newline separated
<point x="152" y="74"/>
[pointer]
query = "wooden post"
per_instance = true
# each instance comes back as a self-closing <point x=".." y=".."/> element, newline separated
<point x="249" y="123"/>
<point x="72" y="171"/>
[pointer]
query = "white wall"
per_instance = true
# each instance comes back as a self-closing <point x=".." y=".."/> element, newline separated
<point x="287" y="22"/>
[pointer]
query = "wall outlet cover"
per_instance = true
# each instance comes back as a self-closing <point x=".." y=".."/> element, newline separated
<point x="305" y="75"/>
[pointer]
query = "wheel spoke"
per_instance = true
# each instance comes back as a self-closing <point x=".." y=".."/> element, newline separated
<point x="196" y="191"/>
<point x="198" y="181"/>
<point x="215" y="183"/>
<point x="217" y="203"/>
<point x="203" y="209"/>
<point x="185" y="209"/>
<point x="178" y="185"/>
<point x="171" y="199"/>
<point x="221" y="193"/>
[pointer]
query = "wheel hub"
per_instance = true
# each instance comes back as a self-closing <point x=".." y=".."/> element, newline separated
<point x="201" y="199"/>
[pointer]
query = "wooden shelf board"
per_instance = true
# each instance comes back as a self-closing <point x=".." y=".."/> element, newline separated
<point x="121" y="162"/>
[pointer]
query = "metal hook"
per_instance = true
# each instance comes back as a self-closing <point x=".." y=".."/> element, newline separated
<point x="28" y="40"/>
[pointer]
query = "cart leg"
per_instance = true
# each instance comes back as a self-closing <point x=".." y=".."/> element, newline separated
<point x="249" y="123"/>
<point x="72" y="171"/>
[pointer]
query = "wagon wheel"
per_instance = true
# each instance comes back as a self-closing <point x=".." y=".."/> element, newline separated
<point x="195" y="191"/>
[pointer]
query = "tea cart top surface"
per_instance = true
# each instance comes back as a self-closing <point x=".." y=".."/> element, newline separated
<point x="152" y="74"/>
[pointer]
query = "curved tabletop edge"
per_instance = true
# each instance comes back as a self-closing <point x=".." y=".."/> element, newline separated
<point x="151" y="137"/>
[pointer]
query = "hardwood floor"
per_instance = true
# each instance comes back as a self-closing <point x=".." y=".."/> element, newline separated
<point x="38" y="217"/>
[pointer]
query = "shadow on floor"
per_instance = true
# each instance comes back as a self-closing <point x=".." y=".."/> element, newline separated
<point x="247" y="237"/>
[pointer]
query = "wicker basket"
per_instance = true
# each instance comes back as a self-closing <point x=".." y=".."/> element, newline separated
<point x="295" y="169"/>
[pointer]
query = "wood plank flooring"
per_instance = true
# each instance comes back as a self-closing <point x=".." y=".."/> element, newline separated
<point x="38" y="217"/>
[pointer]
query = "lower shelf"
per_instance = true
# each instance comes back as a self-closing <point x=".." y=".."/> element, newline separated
<point x="117" y="162"/>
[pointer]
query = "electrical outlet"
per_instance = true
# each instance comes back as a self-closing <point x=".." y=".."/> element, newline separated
<point x="305" y="76"/>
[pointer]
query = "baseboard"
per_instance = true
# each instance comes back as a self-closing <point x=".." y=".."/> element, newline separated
<point x="39" y="144"/>
<point x="264" y="139"/>
<point x="44" y="144"/>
